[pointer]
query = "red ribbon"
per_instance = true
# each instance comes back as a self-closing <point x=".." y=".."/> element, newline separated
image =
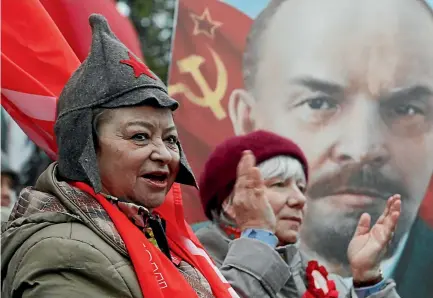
<point x="312" y="291"/>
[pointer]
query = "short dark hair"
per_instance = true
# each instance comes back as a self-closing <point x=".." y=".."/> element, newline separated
<point x="254" y="45"/>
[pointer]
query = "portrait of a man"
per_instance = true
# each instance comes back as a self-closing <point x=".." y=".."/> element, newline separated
<point x="352" y="83"/>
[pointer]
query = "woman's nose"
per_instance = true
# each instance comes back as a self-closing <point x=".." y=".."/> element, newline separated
<point x="160" y="153"/>
<point x="296" y="199"/>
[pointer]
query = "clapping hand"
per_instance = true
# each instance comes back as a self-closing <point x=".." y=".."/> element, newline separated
<point x="368" y="245"/>
<point x="249" y="206"/>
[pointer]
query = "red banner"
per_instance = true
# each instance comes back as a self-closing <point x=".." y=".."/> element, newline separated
<point x="72" y="19"/>
<point x="36" y="63"/>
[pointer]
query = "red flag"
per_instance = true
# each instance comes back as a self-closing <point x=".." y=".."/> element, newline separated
<point x="36" y="63"/>
<point x="208" y="46"/>
<point x="72" y="19"/>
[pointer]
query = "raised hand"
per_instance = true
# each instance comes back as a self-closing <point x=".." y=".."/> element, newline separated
<point x="368" y="245"/>
<point x="249" y="206"/>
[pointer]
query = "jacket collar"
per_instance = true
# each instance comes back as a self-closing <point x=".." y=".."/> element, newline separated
<point x="81" y="205"/>
<point x="217" y="243"/>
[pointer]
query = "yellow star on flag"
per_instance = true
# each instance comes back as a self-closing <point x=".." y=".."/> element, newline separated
<point x="204" y="24"/>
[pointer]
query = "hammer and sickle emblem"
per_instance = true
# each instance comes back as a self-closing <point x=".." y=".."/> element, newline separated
<point x="211" y="97"/>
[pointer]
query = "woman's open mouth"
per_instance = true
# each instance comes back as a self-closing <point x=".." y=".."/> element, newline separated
<point x="156" y="179"/>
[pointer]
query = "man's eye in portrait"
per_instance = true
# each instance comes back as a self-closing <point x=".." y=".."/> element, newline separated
<point x="409" y="115"/>
<point x="317" y="110"/>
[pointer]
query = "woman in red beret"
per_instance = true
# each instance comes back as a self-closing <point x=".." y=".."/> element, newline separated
<point x="253" y="190"/>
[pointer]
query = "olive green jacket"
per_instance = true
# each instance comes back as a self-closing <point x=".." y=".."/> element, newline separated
<point x="59" y="242"/>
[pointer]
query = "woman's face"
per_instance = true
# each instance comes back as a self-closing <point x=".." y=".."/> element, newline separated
<point x="286" y="197"/>
<point x="6" y="190"/>
<point x="138" y="156"/>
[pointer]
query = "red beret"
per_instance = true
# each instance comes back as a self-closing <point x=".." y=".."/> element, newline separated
<point x="219" y="174"/>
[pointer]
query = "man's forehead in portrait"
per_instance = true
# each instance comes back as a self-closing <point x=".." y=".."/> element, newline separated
<point x="364" y="45"/>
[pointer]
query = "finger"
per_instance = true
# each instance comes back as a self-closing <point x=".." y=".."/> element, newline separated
<point x="396" y="205"/>
<point x="392" y="200"/>
<point x="391" y="219"/>
<point x="385" y="213"/>
<point x="363" y="225"/>
<point x="240" y="183"/>
<point x="242" y="170"/>
<point x="256" y="178"/>
<point x="394" y="217"/>
<point x="247" y="162"/>
<point x="252" y="179"/>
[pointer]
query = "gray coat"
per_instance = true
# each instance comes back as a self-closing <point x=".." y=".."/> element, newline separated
<point x="256" y="270"/>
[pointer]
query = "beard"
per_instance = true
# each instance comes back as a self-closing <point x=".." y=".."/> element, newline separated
<point x="328" y="230"/>
<point x="329" y="236"/>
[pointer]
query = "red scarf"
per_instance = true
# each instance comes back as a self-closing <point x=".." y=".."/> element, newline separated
<point x="231" y="232"/>
<point x="157" y="275"/>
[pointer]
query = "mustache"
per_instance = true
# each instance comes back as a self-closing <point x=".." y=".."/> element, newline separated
<point x="360" y="180"/>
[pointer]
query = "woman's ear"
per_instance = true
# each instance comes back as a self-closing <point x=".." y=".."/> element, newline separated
<point x="240" y="106"/>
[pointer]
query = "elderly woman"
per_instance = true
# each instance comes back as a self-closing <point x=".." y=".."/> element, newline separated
<point x="89" y="226"/>
<point x="259" y="210"/>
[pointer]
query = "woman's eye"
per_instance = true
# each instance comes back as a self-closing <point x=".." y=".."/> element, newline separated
<point x="302" y="188"/>
<point x="172" y="140"/>
<point x="140" y="137"/>
<point x="278" y="184"/>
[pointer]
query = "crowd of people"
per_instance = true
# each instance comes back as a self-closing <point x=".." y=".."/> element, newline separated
<point x="96" y="222"/>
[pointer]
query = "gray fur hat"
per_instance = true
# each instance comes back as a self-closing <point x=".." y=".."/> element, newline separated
<point x="110" y="77"/>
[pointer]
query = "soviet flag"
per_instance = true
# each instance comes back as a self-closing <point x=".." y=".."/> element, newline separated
<point x="206" y="65"/>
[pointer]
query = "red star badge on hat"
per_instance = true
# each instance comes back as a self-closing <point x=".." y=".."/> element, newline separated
<point x="138" y="66"/>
